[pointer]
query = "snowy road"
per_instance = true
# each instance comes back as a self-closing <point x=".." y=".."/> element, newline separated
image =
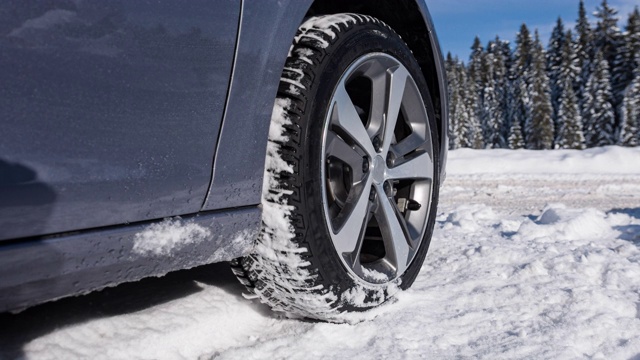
<point x="541" y="263"/>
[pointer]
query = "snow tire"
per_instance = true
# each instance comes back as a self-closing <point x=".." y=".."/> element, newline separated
<point x="295" y="267"/>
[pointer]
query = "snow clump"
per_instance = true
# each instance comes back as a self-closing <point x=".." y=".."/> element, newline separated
<point x="169" y="235"/>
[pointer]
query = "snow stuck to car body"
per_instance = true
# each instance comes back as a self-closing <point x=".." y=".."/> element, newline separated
<point x="169" y="235"/>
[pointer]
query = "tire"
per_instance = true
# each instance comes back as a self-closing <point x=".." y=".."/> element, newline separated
<point x="335" y="159"/>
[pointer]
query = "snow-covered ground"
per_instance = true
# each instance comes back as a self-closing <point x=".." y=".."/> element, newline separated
<point x="535" y="255"/>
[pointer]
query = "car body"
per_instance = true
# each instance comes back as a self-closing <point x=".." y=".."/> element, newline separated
<point x="121" y="120"/>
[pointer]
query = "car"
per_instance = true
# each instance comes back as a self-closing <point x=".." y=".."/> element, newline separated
<point x="302" y="141"/>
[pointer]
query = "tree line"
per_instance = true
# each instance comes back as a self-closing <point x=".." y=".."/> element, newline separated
<point x="582" y="90"/>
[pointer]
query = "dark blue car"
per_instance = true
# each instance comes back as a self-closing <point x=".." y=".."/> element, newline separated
<point x="304" y="141"/>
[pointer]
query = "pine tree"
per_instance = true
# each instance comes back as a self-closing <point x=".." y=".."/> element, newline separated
<point x="584" y="55"/>
<point x="521" y="101"/>
<point x="607" y="36"/>
<point x="524" y="52"/>
<point x="632" y="38"/>
<point x="569" y="66"/>
<point x="608" y="40"/>
<point x="475" y="95"/>
<point x="489" y="100"/>
<point x="516" y="140"/>
<point x="458" y="113"/>
<point x="584" y="49"/>
<point x="452" y="79"/>
<point x="599" y="120"/>
<point x="567" y="76"/>
<point x="570" y="135"/>
<point x="625" y="58"/>
<point x="464" y="125"/>
<point x="625" y="62"/>
<point x="477" y="139"/>
<point x="555" y="59"/>
<point x="630" y="128"/>
<point x="539" y="127"/>
<point x="494" y="95"/>
<point x="502" y="53"/>
<point x="507" y="91"/>
<point x="475" y="64"/>
<point x="514" y="112"/>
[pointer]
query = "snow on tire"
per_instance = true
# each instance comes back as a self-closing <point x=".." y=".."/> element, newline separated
<point x="351" y="175"/>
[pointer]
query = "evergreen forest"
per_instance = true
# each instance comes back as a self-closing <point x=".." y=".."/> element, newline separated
<point x="582" y="90"/>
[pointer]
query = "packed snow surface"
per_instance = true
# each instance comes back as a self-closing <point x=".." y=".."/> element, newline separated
<point x="535" y="255"/>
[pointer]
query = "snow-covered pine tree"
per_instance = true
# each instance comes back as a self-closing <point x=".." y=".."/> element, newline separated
<point x="476" y="93"/>
<point x="539" y="127"/>
<point x="520" y="104"/>
<point x="554" y="65"/>
<point x="568" y="74"/>
<point x="523" y="57"/>
<point x="493" y="114"/>
<point x="632" y="37"/>
<point x="464" y="113"/>
<point x="625" y="64"/>
<point x="475" y="62"/>
<point x="507" y="92"/>
<point x="569" y="66"/>
<point x="584" y="40"/>
<point x="516" y="140"/>
<point x="630" y="127"/>
<point x="599" y="120"/>
<point x="477" y="139"/>
<point x="458" y="112"/>
<point x="516" y="112"/>
<point x="607" y="39"/>
<point x="487" y="112"/>
<point x="502" y="53"/>
<point x="584" y="53"/>
<point x="570" y="135"/>
<point x="452" y="79"/>
<point x="504" y="47"/>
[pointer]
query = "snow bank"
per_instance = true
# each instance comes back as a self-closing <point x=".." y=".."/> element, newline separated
<point x="562" y="284"/>
<point x="605" y="160"/>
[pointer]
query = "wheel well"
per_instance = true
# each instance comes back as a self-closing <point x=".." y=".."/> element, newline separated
<point x="405" y="19"/>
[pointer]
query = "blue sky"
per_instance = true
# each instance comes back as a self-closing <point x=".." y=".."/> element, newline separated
<point x="459" y="21"/>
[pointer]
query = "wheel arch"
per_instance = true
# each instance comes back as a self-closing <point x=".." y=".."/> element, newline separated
<point x="266" y="31"/>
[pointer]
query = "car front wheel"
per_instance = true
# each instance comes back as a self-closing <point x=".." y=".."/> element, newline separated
<point x="351" y="179"/>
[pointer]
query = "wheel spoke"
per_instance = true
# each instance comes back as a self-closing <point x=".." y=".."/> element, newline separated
<point x="346" y="118"/>
<point x="394" y="232"/>
<point x="397" y="81"/>
<point x="378" y="102"/>
<point x="407" y="145"/>
<point x="336" y="147"/>
<point x="419" y="167"/>
<point x="347" y="237"/>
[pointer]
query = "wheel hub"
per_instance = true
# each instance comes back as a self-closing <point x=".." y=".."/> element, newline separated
<point x="379" y="170"/>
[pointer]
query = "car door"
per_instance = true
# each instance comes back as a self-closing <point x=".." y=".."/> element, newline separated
<point x="109" y="110"/>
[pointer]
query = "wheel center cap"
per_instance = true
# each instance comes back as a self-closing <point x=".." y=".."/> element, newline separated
<point x="379" y="169"/>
